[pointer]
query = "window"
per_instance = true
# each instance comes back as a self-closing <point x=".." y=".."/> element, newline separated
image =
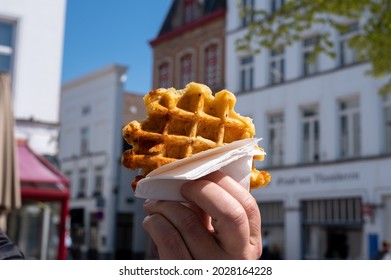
<point x="349" y="128"/>
<point x="85" y="110"/>
<point x="85" y="141"/>
<point x="6" y="46"/>
<point x="276" y="5"/>
<point x="82" y="183"/>
<point x="186" y="65"/>
<point x="276" y="139"/>
<point x="347" y="54"/>
<point x="212" y="67"/>
<point x="332" y="211"/>
<point x="310" y="135"/>
<point x="190" y="11"/>
<point x="277" y="66"/>
<point x="387" y="122"/>
<point x="272" y="213"/>
<point x="246" y="73"/>
<point x="310" y="64"/>
<point x="248" y="4"/>
<point x="163" y="75"/>
<point x="98" y="184"/>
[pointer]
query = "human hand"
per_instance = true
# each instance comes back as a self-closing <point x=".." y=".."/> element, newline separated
<point x="221" y="221"/>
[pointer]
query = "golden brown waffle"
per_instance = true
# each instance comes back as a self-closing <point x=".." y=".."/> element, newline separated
<point x="182" y="123"/>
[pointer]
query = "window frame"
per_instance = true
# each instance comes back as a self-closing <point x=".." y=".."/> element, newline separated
<point x="186" y="75"/>
<point x="276" y="5"/>
<point x="276" y="148"/>
<point x="245" y="21"/>
<point x="246" y="73"/>
<point x="98" y="184"/>
<point x="277" y="57"/>
<point x="189" y="11"/>
<point x="308" y="45"/>
<point x="83" y="183"/>
<point x="343" y="44"/>
<point x="349" y="144"/>
<point x="312" y="147"/>
<point x="84" y="140"/>
<point x="212" y="65"/>
<point x="7" y="50"/>
<point x="386" y="112"/>
<point x="163" y="79"/>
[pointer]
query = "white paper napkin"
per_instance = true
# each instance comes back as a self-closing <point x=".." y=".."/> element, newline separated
<point x="234" y="159"/>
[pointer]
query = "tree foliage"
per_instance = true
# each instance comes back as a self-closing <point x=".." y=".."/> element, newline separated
<point x="286" y="25"/>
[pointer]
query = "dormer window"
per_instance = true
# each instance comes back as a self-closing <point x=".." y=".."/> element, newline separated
<point x="189" y="11"/>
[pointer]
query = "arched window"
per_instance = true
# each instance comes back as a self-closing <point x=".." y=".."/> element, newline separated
<point x="212" y="66"/>
<point x="186" y="68"/>
<point x="164" y="75"/>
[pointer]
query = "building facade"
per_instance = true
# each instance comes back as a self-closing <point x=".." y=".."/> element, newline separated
<point x="326" y="131"/>
<point x="104" y="213"/>
<point x="31" y="47"/>
<point x="190" y="45"/>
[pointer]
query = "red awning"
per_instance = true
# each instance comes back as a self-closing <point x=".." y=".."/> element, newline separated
<point x="41" y="181"/>
<point x="34" y="168"/>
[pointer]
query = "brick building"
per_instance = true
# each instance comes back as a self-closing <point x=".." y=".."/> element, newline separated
<point x="190" y="45"/>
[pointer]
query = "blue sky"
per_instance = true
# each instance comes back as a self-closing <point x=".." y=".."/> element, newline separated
<point x="103" y="32"/>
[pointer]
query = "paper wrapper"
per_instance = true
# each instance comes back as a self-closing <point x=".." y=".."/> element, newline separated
<point x="234" y="159"/>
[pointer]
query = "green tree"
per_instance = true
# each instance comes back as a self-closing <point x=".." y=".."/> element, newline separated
<point x="286" y="25"/>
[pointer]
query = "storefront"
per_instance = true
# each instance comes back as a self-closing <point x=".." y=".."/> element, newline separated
<point x="339" y="210"/>
<point x="332" y="228"/>
<point x="39" y="226"/>
<point x="272" y="229"/>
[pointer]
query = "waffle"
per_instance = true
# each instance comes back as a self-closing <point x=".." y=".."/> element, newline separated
<point x="182" y="123"/>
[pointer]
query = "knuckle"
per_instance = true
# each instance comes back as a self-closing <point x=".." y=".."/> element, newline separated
<point x="171" y="239"/>
<point x="190" y="222"/>
<point x="165" y="234"/>
<point x="250" y="204"/>
<point x="237" y="216"/>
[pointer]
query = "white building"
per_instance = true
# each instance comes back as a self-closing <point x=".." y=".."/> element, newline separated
<point x="31" y="48"/>
<point x="327" y="134"/>
<point x="105" y="216"/>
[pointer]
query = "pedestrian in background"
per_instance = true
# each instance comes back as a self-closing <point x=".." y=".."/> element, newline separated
<point x="385" y="252"/>
<point x="68" y="245"/>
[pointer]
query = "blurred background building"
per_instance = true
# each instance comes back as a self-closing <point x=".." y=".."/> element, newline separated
<point x="35" y="81"/>
<point x="103" y="213"/>
<point x="31" y="45"/>
<point x="326" y="131"/>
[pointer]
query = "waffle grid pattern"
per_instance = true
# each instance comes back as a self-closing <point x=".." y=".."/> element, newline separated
<point x="182" y="123"/>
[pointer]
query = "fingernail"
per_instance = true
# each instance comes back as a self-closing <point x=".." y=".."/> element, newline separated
<point x="146" y="218"/>
<point x="147" y="201"/>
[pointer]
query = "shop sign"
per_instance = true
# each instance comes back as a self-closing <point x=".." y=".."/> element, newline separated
<point x="316" y="178"/>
